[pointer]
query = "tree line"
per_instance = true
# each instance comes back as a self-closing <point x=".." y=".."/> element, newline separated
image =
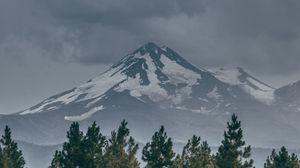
<point x="119" y="150"/>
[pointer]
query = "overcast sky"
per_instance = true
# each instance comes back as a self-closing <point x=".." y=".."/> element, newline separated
<point x="48" y="46"/>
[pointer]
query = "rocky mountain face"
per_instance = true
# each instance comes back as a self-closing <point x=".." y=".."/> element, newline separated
<point x="159" y="77"/>
<point x="155" y="86"/>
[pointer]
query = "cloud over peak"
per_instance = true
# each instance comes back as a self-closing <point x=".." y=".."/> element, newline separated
<point x="262" y="35"/>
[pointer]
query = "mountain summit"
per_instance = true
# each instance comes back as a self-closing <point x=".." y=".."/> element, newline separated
<point x="158" y="76"/>
<point x="155" y="86"/>
<point x="150" y="73"/>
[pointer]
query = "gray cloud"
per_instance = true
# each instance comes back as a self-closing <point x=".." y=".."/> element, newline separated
<point x="82" y="31"/>
<point x="46" y="46"/>
<point x="264" y="35"/>
<point x="261" y="35"/>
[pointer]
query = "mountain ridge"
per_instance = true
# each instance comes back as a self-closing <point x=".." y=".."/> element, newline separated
<point x="156" y="86"/>
<point x="144" y="63"/>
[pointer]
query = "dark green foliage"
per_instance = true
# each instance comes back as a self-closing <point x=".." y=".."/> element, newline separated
<point x="81" y="151"/>
<point x="282" y="160"/>
<point x="92" y="150"/>
<point x="196" y="154"/>
<point x="178" y="162"/>
<point x="73" y="152"/>
<point x="10" y="155"/>
<point x="57" y="160"/>
<point x="159" y="153"/>
<point x="94" y="144"/>
<point x="121" y="150"/>
<point x="232" y="153"/>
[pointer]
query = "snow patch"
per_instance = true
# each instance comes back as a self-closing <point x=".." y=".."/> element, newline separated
<point x="94" y="101"/>
<point x="263" y="94"/>
<point x="214" y="94"/>
<point x="258" y="90"/>
<point x="202" y="110"/>
<point x="153" y="89"/>
<point x="229" y="76"/>
<point x="205" y="100"/>
<point x="176" y="74"/>
<point x="84" y="116"/>
<point x="135" y="93"/>
<point x="228" y="104"/>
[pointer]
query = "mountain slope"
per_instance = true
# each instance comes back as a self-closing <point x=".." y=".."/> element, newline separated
<point x="290" y="94"/>
<point x="155" y="76"/>
<point x="145" y="72"/>
<point x="155" y="86"/>
<point x="239" y="77"/>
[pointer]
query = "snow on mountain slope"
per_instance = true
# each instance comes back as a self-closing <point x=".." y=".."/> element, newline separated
<point x="238" y="77"/>
<point x="160" y="75"/>
<point x="175" y="73"/>
<point x="84" y="115"/>
<point x="155" y="86"/>
<point x="146" y="72"/>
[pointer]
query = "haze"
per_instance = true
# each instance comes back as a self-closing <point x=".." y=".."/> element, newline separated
<point x="50" y="46"/>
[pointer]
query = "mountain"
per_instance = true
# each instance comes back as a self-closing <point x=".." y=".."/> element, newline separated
<point x="289" y="95"/>
<point x="155" y="86"/>
<point x="158" y="77"/>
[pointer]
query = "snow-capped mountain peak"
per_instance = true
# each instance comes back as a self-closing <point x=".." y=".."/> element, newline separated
<point x="150" y="71"/>
<point x="156" y="86"/>
<point x="160" y="76"/>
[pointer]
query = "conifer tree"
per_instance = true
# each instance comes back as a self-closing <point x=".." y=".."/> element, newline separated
<point x="282" y="160"/>
<point x="84" y="151"/>
<point x="73" y="153"/>
<point x="178" y="162"/>
<point x="159" y="153"/>
<point x="122" y="149"/>
<point x="94" y="144"/>
<point x="232" y="153"/>
<point x="1" y="157"/>
<point x="11" y="156"/>
<point x="196" y="154"/>
<point x="57" y="160"/>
